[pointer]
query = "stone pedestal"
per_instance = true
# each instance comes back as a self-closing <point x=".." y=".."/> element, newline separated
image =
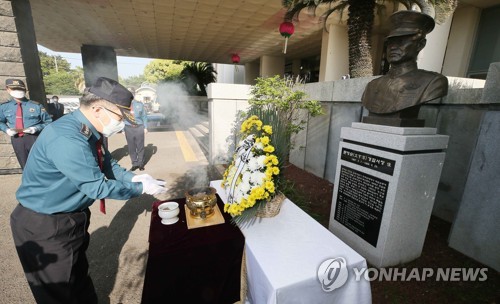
<point x="385" y="185"/>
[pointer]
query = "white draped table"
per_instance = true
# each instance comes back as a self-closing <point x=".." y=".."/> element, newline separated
<point x="283" y="254"/>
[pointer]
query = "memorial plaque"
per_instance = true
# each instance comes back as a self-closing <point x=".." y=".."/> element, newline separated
<point x="374" y="162"/>
<point x="360" y="203"/>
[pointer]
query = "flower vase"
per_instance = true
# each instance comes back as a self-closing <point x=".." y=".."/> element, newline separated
<point x="272" y="206"/>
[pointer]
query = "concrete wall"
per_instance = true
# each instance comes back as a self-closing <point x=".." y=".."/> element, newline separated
<point x="476" y="225"/>
<point x="316" y="147"/>
<point x="9" y="50"/>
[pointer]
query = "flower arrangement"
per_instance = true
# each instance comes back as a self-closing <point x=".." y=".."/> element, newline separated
<point x="250" y="180"/>
<point x="254" y="181"/>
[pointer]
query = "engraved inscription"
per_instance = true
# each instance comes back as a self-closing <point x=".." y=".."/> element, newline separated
<point x="374" y="162"/>
<point x="360" y="203"/>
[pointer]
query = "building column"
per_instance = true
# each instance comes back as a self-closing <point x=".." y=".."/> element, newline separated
<point x="272" y="65"/>
<point x="98" y="61"/>
<point x="334" y="53"/>
<point x="252" y="72"/>
<point x="431" y="58"/>
<point x="460" y="44"/>
<point x="18" y="59"/>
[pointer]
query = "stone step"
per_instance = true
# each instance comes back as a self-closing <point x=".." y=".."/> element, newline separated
<point x="201" y="138"/>
<point x="202" y="128"/>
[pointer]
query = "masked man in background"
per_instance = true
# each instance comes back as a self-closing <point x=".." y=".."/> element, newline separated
<point x="22" y="119"/>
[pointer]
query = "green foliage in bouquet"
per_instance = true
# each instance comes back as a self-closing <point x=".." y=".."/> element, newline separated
<point x="279" y="103"/>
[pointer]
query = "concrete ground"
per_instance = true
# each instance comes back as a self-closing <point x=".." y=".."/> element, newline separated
<point x="119" y="240"/>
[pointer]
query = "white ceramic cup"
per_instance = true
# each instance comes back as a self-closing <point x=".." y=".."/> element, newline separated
<point x="168" y="212"/>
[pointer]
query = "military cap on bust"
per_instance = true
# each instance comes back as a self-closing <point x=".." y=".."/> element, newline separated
<point x="405" y="23"/>
<point x="114" y="92"/>
<point x="15" y="83"/>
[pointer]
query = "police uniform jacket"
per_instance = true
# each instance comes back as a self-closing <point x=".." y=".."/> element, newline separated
<point x="62" y="173"/>
<point x="34" y="115"/>
<point x="140" y="114"/>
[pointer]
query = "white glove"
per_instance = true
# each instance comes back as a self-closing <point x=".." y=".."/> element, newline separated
<point x="10" y="132"/>
<point x="147" y="177"/>
<point x="152" y="188"/>
<point x="30" y="130"/>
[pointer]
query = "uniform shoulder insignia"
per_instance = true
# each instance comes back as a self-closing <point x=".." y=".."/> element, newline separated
<point x="85" y="130"/>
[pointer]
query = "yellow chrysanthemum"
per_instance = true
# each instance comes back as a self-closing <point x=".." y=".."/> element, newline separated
<point x="269" y="185"/>
<point x="268" y="129"/>
<point x="265" y="140"/>
<point x="276" y="170"/>
<point x="268" y="149"/>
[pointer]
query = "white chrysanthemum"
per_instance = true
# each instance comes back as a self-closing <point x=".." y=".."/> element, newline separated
<point x="257" y="178"/>
<point x="245" y="178"/>
<point x="244" y="187"/>
<point x="259" y="146"/>
<point x="237" y="195"/>
<point x="261" y="159"/>
<point x="254" y="165"/>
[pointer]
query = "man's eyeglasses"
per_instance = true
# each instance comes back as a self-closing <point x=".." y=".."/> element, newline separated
<point x="121" y="116"/>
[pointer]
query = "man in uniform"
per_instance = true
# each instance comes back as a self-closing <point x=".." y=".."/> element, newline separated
<point x="135" y="134"/>
<point x="22" y="119"/>
<point x="56" y="109"/>
<point x="400" y="93"/>
<point x="68" y="169"/>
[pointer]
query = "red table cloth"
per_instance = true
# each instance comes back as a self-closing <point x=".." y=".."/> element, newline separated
<point x="201" y="265"/>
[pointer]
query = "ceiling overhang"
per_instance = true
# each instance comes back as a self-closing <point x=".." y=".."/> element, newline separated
<point x="194" y="30"/>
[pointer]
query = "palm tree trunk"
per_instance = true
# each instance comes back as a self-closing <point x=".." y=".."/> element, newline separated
<point x="359" y="30"/>
<point x="426" y="7"/>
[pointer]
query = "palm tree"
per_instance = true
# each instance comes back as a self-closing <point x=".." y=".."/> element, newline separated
<point x="198" y="74"/>
<point x="361" y="16"/>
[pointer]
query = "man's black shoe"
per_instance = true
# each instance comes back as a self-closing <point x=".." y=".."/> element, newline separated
<point x="134" y="168"/>
<point x="141" y="168"/>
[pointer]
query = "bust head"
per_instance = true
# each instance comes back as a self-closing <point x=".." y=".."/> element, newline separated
<point x="395" y="99"/>
<point x="407" y="36"/>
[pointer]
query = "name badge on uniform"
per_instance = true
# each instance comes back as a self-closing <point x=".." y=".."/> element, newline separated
<point x="85" y="130"/>
<point x="32" y="110"/>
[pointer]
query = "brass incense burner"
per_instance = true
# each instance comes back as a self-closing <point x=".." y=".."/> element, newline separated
<point x="201" y="202"/>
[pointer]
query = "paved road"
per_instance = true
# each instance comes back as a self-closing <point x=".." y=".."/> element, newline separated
<point x="118" y="247"/>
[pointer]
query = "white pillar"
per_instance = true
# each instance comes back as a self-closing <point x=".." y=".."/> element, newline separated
<point x="225" y="101"/>
<point x="272" y="65"/>
<point x="334" y="53"/>
<point x="460" y="42"/>
<point x="431" y="58"/>
<point x="251" y="72"/>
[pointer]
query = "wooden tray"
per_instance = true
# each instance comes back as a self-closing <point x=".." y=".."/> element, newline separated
<point x="215" y="219"/>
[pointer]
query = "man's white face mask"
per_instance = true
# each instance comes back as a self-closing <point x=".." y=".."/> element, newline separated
<point x="114" y="126"/>
<point x="18" y="94"/>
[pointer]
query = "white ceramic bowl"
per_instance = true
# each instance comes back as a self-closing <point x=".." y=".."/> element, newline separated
<point x="168" y="212"/>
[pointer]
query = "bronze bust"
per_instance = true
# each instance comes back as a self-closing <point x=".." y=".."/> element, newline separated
<point x="395" y="98"/>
